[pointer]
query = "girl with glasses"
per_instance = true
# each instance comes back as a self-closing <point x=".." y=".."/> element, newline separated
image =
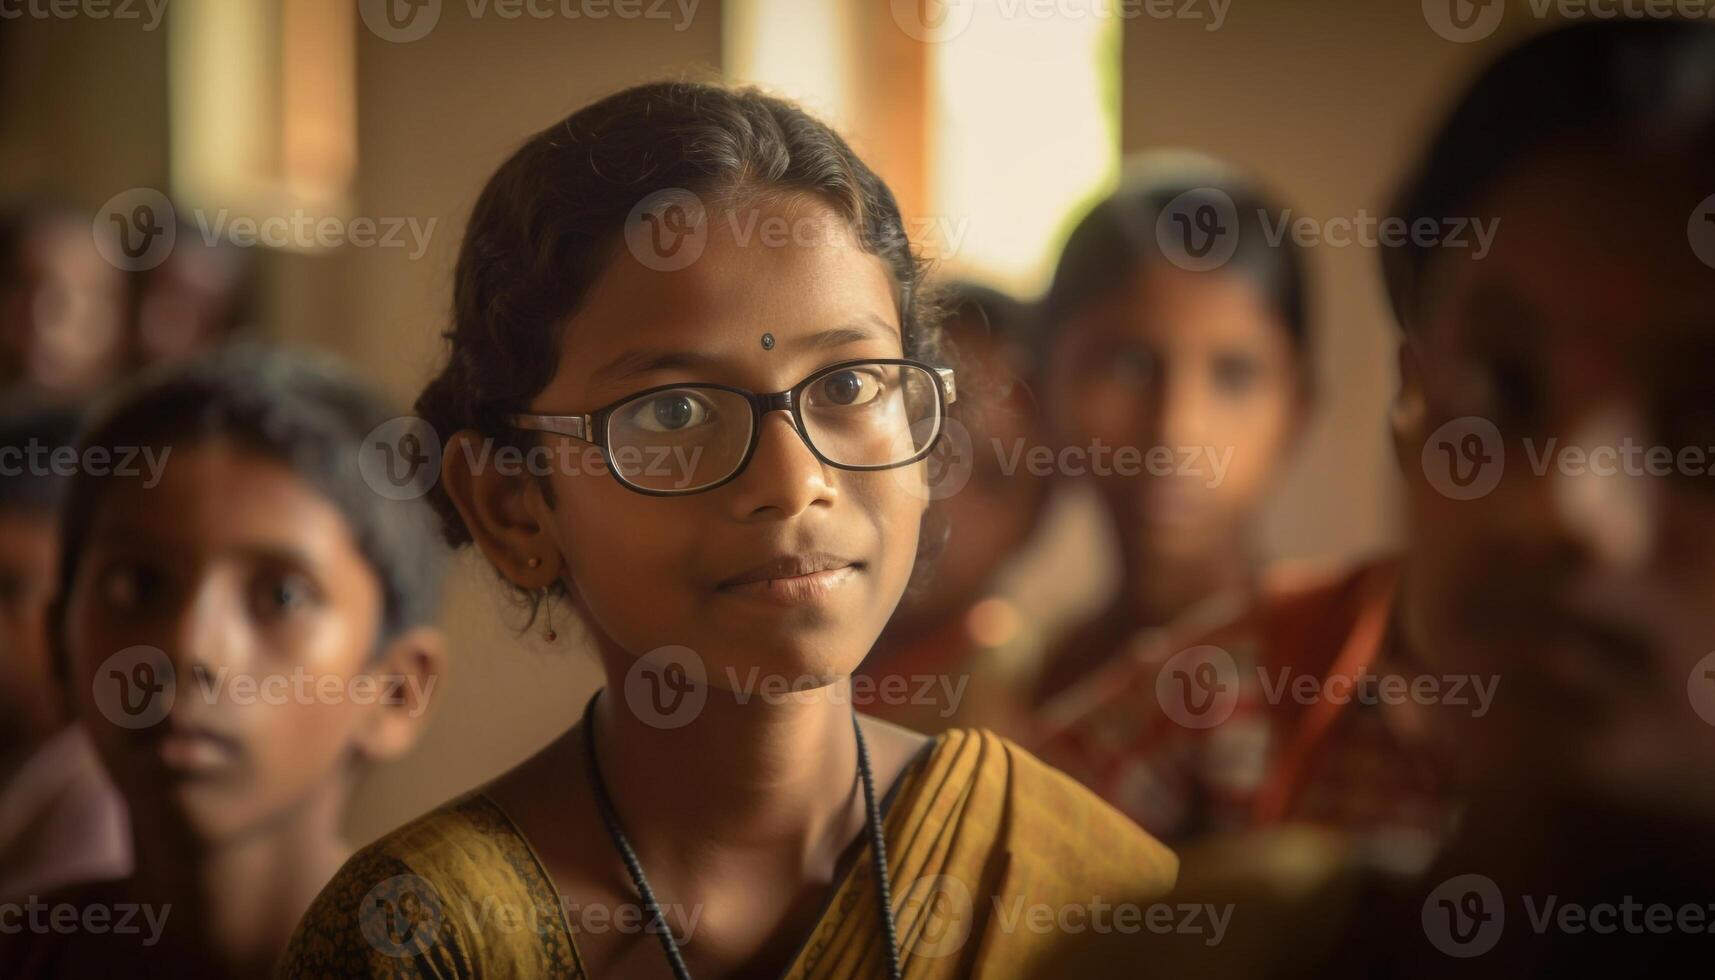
<point x="692" y="382"/>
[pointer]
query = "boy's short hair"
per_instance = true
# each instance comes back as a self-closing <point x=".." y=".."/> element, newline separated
<point x="302" y="410"/>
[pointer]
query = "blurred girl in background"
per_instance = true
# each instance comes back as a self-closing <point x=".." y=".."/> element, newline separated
<point x="1174" y="335"/>
<point x="1182" y="705"/>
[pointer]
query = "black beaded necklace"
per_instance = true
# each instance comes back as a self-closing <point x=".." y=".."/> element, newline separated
<point x="652" y="908"/>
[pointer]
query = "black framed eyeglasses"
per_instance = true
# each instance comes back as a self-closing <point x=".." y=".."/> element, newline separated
<point x="687" y="438"/>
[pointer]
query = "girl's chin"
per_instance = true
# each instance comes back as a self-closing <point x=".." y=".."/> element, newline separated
<point x="762" y="673"/>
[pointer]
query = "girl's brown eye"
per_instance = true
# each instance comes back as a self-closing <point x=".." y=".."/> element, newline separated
<point x="1133" y="365"/>
<point x="282" y="594"/>
<point x="671" y="411"/>
<point x="844" y="389"/>
<point x="1235" y="374"/>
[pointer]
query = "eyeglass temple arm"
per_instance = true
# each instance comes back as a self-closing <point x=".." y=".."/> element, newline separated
<point x="946" y="375"/>
<point x="576" y="426"/>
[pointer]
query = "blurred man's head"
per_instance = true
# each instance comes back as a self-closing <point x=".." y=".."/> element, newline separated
<point x="1556" y="418"/>
<point x="32" y="485"/>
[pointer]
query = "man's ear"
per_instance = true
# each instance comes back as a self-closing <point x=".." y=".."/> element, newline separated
<point x="502" y="507"/>
<point x="1407" y="416"/>
<point x="408" y="670"/>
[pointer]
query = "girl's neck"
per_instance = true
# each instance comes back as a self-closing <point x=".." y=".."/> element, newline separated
<point x="775" y="776"/>
<point x="231" y="906"/>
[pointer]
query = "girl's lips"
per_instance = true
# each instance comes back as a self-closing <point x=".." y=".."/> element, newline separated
<point x="794" y="589"/>
<point x="189" y="749"/>
<point x="192" y="753"/>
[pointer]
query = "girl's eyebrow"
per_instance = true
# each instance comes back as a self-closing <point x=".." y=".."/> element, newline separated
<point x="866" y="327"/>
<point x="635" y="362"/>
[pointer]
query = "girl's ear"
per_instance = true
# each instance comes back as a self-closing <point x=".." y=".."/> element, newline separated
<point x="1406" y="417"/>
<point x="407" y="673"/>
<point x="500" y="506"/>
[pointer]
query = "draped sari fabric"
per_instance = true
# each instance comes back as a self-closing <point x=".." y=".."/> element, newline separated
<point x="999" y="867"/>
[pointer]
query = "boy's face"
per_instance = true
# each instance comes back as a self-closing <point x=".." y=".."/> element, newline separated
<point x="649" y="572"/>
<point x="1197" y="369"/>
<point x="249" y="584"/>
<point x="1583" y="579"/>
<point x="29" y="700"/>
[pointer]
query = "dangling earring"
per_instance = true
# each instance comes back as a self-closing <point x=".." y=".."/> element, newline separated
<point x="548" y="605"/>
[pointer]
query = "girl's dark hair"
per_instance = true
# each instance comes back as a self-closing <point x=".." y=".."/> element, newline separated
<point x="1640" y="88"/>
<point x="1007" y="318"/>
<point x="551" y="219"/>
<point x="1120" y="233"/>
<point x="297" y="409"/>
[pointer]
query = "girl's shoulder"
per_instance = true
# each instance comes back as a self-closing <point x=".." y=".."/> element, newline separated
<point x="1048" y="823"/>
<point x="456" y="892"/>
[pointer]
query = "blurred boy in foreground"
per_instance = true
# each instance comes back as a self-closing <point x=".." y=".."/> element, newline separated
<point x="1556" y="426"/>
